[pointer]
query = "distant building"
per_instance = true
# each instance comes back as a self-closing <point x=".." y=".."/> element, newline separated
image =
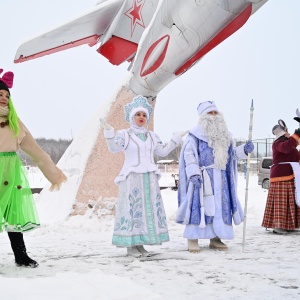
<point x="168" y="165"/>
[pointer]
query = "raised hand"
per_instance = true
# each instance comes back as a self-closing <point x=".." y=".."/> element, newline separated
<point x="104" y="124"/>
<point x="297" y="131"/>
<point x="183" y="133"/>
<point x="248" y="147"/>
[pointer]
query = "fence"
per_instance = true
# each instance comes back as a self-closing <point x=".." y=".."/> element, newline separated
<point x="262" y="147"/>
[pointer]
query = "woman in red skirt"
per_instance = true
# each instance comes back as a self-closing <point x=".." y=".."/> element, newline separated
<point x="282" y="213"/>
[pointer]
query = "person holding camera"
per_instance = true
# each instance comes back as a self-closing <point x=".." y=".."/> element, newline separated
<point x="282" y="211"/>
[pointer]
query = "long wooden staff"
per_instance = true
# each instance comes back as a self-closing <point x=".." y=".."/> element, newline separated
<point x="247" y="174"/>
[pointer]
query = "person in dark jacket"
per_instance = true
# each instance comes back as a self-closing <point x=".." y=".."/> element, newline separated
<point x="282" y="212"/>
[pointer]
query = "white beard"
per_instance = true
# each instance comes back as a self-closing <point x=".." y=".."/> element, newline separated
<point x="218" y="137"/>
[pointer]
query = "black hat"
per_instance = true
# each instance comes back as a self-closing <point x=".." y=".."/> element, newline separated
<point x="3" y="86"/>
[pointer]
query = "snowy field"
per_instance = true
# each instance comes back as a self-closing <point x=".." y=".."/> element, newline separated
<point x="78" y="261"/>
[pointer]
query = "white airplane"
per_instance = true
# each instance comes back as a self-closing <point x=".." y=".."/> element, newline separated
<point x="162" y="39"/>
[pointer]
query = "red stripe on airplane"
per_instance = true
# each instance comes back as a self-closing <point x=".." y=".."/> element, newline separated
<point x="118" y="50"/>
<point x="160" y="59"/>
<point x="231" y="28"/>
<point x="91" y="40"/>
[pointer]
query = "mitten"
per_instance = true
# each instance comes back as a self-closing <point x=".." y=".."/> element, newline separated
<point x="183" y="133"/>
<point x="104" y="125"/>
<point x="196" y="180"/>
<point x="248" y="147"/>
<point x="297" y="131"/>
<point x="297" y="119"/>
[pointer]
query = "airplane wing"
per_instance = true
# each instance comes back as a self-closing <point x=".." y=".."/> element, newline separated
<point x="85" y="29"/>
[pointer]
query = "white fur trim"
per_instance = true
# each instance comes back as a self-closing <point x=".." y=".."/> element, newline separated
<point x="109" y="134"/>
<point x="206" y="107"/>
<point x="278" y="132"/>
<point x="135" y="110"/>
<point x="237" y="218"/>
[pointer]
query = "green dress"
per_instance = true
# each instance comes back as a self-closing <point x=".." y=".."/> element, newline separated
<point x="17" y="207"/>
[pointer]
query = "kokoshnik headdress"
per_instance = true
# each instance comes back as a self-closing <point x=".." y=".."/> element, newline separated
<point x="139" y="103"/>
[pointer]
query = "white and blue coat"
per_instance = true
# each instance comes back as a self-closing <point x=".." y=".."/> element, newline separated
<point x="197" y="159"/>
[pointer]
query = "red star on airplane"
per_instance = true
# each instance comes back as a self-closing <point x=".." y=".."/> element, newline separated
<point x="134" y="13"/>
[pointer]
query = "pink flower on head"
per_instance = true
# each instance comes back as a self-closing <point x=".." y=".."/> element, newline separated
<point x="7" y="78"/>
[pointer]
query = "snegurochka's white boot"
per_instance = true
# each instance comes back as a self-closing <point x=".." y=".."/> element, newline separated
<point x="143" y="251"/>
<point x="217" y="244"/>
<point x="193" y="246"/>
<point x="133" y="251"/>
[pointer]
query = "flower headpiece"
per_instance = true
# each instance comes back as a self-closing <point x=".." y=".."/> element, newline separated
<point x="6" y="81"/>
<point x="139" y="103"/>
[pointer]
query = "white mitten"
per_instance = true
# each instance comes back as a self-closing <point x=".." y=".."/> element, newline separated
<point x="104" y="125"/>
<point x="183" y="133"/>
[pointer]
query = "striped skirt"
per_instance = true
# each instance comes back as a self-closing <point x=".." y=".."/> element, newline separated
<point x="281" y="209"/>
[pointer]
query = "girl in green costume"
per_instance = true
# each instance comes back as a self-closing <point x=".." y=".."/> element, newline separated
<point x="18" y="213"/>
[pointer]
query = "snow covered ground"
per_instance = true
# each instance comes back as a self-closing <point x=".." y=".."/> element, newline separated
<point x="77" y="261"/>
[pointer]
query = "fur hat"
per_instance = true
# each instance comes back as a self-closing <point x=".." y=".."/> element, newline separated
<point x="278" y="131"/>
<point x="6" y="81"/>
<point x="206" y="107"/>
<point x="139" y="103"/>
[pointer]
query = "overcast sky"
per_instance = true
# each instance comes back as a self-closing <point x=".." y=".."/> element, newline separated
<point x="56" y="95"/>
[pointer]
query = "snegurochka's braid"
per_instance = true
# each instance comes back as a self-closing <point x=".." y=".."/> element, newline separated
<point x="13" y="118"/>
